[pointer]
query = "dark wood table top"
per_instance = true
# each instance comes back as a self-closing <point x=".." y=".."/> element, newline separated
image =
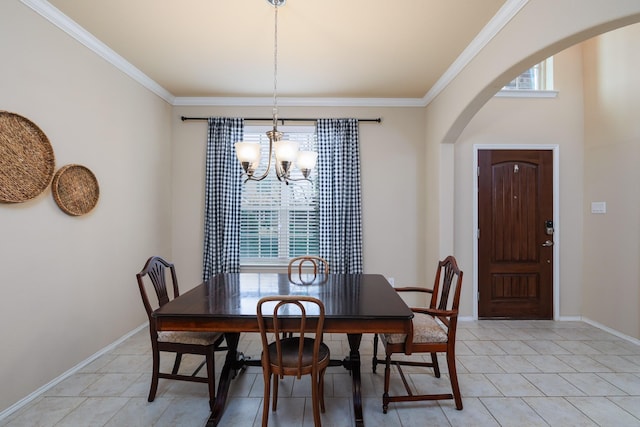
<point x="354" y="303"/>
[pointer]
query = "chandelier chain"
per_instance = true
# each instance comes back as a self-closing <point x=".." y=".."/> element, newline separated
<point x="286" y="153"/>
<point x="275" y="69"/>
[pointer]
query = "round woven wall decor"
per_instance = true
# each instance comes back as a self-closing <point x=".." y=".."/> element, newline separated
<point x="75" y="189"/>
<point x="27" y="162"/>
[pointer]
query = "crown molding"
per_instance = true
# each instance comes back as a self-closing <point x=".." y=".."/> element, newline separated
<point x="298" y="102"/>
<point x="504" y="15"/>
<point x="53" y="15"/>
<point x="493" y="27"/>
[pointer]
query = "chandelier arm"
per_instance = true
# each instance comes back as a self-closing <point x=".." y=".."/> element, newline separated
<point x="298" y="179"/>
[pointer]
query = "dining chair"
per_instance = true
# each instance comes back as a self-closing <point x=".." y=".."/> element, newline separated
<point x="154" y="274"/>
<point x="433" y="330"/>
<point x="319" y="265"/>
<point x="294" y="355"/>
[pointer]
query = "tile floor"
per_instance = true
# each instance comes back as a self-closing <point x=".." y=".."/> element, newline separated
<point x="511" y="373"/>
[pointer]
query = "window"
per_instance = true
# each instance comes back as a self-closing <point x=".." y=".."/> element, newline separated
<point x="279" y="221"/>
<point x="537" y="79"/>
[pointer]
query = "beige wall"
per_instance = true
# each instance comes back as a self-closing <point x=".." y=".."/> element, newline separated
<point x="68" y="282"/>
<point x="532" y="121"/>
<point x="393" y="194"/>
<point x="68" y="285"/>
<point x="612" y="154"/>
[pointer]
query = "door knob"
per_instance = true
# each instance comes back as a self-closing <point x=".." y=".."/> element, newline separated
<point x="547" y="243"/>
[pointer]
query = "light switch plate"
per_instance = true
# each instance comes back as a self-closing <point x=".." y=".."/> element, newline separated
<point x="598" y="207"/>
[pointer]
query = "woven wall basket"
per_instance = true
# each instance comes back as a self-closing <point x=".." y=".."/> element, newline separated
<point x="27" y="162"/>
<point x="75" y="189"/>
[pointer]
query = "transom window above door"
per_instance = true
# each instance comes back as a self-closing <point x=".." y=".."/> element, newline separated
<point x="534" y="82"/>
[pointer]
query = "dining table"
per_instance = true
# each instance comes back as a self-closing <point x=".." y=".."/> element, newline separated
<point x="354" y="304"/>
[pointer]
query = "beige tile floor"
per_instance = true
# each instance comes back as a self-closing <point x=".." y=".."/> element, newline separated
<point x="512" y="373"/>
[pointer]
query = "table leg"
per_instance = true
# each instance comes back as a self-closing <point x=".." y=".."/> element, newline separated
<point x="354" y="367"/>
<point x="232" y="363"/>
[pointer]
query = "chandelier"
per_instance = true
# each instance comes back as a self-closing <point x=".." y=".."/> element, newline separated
<point x="286" y="152"/>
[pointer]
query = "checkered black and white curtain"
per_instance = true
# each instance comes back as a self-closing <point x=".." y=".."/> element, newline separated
<point x="222" y="198"/>
<point x="340" y="197"/>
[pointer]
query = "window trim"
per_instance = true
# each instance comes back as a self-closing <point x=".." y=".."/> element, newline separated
<point x="546" y="82"/>
<point x="526" y="93"/>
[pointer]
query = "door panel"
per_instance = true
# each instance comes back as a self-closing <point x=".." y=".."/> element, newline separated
<point x="515" y="264"/>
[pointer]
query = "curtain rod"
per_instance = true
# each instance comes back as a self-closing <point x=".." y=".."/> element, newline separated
<point x="378" y="120"/>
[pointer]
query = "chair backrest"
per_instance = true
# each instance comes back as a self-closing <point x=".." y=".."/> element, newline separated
<point x="446" y="288"/>
<point x="155" y="269"/>
<point x="318" y="264"/>
<point x="290" y="314"/>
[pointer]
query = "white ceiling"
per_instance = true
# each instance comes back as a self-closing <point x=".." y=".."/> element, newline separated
<point x="326" y="49"/>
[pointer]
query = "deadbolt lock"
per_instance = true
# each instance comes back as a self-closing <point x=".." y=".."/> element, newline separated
<point x="548" y="225"/>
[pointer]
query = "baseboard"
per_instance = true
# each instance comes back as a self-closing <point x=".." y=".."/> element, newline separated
<point x="24" y="401"/>
<point x="611" y="331"/>
<point x="569" y="319"/>
<point x="561" y="319"/>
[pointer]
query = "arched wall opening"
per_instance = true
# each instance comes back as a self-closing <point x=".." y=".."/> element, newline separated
<point x="519" y="45"/>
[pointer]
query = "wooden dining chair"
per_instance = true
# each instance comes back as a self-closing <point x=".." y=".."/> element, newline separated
<point x="433" y="330"/>
<point x="297" y="267"/>
<point x="302" y="354"/>
<point x="319" y="265"/>
<point x="154" y="274"/>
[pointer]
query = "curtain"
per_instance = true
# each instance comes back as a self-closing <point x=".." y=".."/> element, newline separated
<point x="340" y="197"/>
<point x="222" y="198"/>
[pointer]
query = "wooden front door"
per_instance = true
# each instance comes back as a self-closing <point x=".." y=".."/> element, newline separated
<point x="515" y="242"/>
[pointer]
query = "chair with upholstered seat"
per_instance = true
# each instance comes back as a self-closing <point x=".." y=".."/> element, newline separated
<point x="293" y="355"/>
<point x="154" y="274"/>
<point x="433" y="331"/>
